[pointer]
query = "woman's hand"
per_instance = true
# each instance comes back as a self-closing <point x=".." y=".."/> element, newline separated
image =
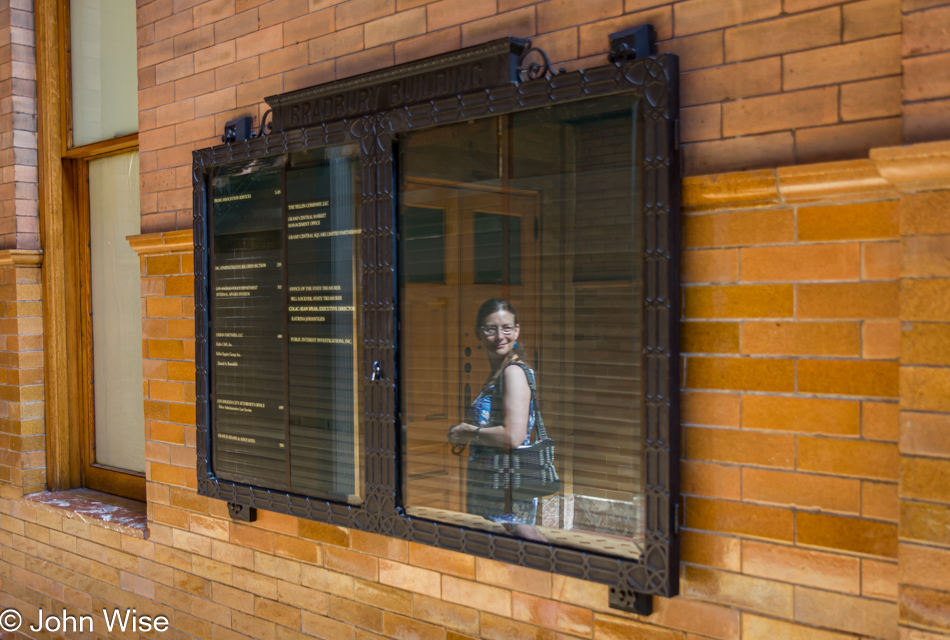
<point x="462" y="433"/>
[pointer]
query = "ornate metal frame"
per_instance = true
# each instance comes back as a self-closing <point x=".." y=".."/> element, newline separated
<point x="654" y="82"/>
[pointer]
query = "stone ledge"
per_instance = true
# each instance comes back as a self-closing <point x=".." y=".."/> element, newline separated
<point x="108" y="511"/>
<point x="21" y="258"/>
<point x="162" y="242"/>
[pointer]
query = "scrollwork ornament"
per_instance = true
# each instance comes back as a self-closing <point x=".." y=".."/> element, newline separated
<point x="533" y="63"/>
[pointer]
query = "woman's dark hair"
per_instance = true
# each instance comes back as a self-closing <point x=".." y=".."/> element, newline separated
<point x="494" y="305"/>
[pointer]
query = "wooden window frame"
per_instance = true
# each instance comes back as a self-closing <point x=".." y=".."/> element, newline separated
<point x="64" y="228"/>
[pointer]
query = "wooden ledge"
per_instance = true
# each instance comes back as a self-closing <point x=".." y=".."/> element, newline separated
<point x="162" y="242"/>
<point x="21" y="258"/>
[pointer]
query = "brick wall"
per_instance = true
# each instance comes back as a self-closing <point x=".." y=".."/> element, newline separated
<point x="925" y="58"/>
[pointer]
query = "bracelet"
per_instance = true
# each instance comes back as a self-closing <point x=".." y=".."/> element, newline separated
<point x="477" y="430"/>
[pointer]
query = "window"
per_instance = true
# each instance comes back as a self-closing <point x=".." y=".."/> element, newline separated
<point x="427" y="194"/>
<point x="89" y="119"/>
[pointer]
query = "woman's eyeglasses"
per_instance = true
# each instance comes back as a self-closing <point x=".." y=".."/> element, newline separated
<point x="506" y="330"/>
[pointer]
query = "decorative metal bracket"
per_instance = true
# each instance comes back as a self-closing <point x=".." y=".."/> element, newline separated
<point x="631" y="601"/>
<point x="237" y="130"/>
<point x="242" y="512"/>
<point x="540" y="67"/>
<point x="633" y="43"/>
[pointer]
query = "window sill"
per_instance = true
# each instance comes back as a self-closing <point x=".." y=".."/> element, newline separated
<point x="108" y="511"/>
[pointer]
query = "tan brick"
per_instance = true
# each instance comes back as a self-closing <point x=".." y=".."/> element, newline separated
<point x="731" y="82"/>
<point x="925" y="523"/>
<point x="395" y="626"/>
<point x="695" y="16"/>
<point x="844" y="612"/>
<point x="926" y="434"/>
<point x="553" y="615"/>
<point x="451" y="616"/>
<point x="520" y="23"/>
<point x="740" y="228"/>
<point x="362" y="11"/>
<point x="924" y="479"/>
<point x="787" y="110"/>
<point x="880" y="421"/>
<point x="802" y="566"/>
<point x="710" y="480"/>
<point x="561" y="14"/>
<point x="879" y="501"/>
<point x="802" y="490"/>
<point x="739" y="447"/>
<point x="863" y="221"/>
<point x="879" y="579"/>
<point x="709" y="337"/>
<point x="871" y="18"/>
<point x="715" y="265"/>
<point x="852" y="300"/>
<point x="594" y="35"/>
<point x="606" y="627"/>
<point x="399" y="26"/>
<point x="701" y="123"/>
<point x="310" y="26"/>
<point x="746" y="374"/>
<point x="801" y="338"/>
<point x="733" y="589"/>
<point x="758" y="627"/>
<point x="479" y="596"/>
<point x="846" y="534"/>
<point x="442" y="560"/>
<point x="877" y="460"/>
<point x="428" y="45"/>
<point x="735" y="154"/>
<point x="696" y="52"/>
<point x="359" y="615"/>
<point x="881" y="261"/>
<point x="718" y="551"/>
<point x="925" y="32"/>
<point x="924" y="608"/>
<point x="926" y="256"/>
<point x="842" y="63"/>
<point x="794" y="33"/>
<point x="845" y="141"/>
<point x="871" y="99"/>
<point x="741" y="301"/>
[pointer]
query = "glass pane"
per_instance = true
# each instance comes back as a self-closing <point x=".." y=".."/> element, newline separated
<point x="285" y="328"/>
<point x="116" y="312"/>
<point x="535" y="326"/>
<point x="103" y="65"/>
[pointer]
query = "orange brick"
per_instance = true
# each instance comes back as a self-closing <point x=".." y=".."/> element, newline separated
<point x="165" y="349"/>
<point x="864" y="221"/>
<point x="745" y="374"/>
<point x="519" y="23"/>
<point x="712" y="409"/>
<point x="879" y="579"/>
<point x="846" y="534"/>
<point x="701" y="123"/>
<point x="878" y="460"/>
<point x="355" y="613"/>
<point x="710" y="550"/>
<point x="709" y="337"/>
<point x="399" y="26"/>
<point x="291" y="547"/>
<point x="926" y="434"/>
<point x="925" y="389"/>
<point x="327" y="581"/>
<point x="787" y="110"/>
<point x="442" y="560"/>
<point x="739" y="228"/>
<point x="871" y="99"/>
<point x="926" y="77"/>
<point x="379" y="545"/>
<point x="710" y="480"/>
<point x="918" y="303"/>
<point x="716" y="265"/>
<point x="744" y="592"/>
<point x="430" y="44"/>
<point x="801" y="338"/>
<point x="409" y="578"/>
<point x="739" y="447"/>
<point x="879" y="501"/>
<point x="857" y="300"/>
<point x="732" y="81"/>
<point x="801" y="490"/>
<point x="739" y="301"/>
<point x="861" y="378"/>
<point x="695" y="16"/>
<point x="843" y="63"/>
<point x="801" y="263"/>
<point x="802" y="566"/>
<point x="739" y="518"/>
<point x="692" y="616"/>
<point x="794" y="33"/>
<point x="758" y="627"/>
<point x="395" y="626"/>
<point x="523" y="579"/>
<point x="871" y="18"/>
<point x="178" y="476"/>
<point x="360" y="11"/>
<point x="696" y="52"/>
<point x="247" y="536"/>
<point x="325" y="533"/>
<point x="163" y="265"/>
<point x="356" y="564"/>
<point x="926" y="256"/>
<point x="881" y="261"/>
<point x="592" y="35"/>
<point x="880" y="421"/>
<point x="325" y="628"/>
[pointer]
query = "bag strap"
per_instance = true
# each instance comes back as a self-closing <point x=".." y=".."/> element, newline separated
<point x="540" y="432"/>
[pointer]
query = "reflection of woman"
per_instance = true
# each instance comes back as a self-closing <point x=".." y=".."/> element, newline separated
<point x="500" y="418"/>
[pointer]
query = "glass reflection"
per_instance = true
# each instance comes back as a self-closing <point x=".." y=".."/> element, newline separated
<point x="525" y="230"/>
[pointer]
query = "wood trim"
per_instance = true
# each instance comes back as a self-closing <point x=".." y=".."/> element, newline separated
<point x="105" y="147"/>
<point x="148" y="244"/>
<point x="62" y="446"/>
